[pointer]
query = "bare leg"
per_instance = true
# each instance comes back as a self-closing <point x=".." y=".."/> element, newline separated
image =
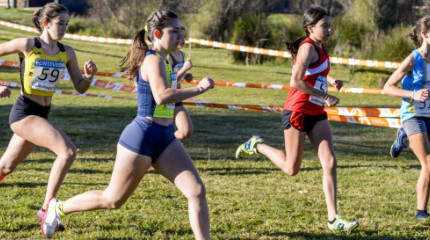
<point x="17" y="150"/>
<point x="420" y="145"/>
<point x="34" y="130"/>
<point x="183" y="123"/>
<point x="175" y="164"/>
<point x="290" y="161"/>
<point x="128" y="171"/>
<point x="321" y="139"/>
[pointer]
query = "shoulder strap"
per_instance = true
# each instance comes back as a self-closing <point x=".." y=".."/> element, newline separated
<point x="37" y="43"/>
<point x="61" y="47"/>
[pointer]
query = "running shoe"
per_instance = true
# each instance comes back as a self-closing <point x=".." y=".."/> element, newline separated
<point x="249" y="147"/>
<point x="41" y="214"/>
<point x="342" y="225"/>
<point x="402" y="142"/>
<point x="421" y="216"/>
<point x="51" y="219"/>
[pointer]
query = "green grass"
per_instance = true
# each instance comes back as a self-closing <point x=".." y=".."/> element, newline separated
<point x="248" y="199"/>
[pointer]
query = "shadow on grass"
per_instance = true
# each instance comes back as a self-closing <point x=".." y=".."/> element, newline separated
<point x="239" y="70"/>
<point x="369" y="235"/>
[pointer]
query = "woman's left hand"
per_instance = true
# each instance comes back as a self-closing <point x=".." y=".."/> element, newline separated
<point x="90" y="69"/>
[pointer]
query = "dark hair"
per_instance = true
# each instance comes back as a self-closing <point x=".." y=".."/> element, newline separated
<point x="310" y="18"/>
<point x="159" y="19"/>
<point x="422" y="25"/>
<point x="48" y="12"/>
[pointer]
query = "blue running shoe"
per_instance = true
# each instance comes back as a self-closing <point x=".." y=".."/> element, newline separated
<point x="421" y="216"/>
<point x="402" y="142"/>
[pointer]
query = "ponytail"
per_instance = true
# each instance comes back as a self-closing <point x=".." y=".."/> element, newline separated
<point x="35" y="20"/>
<point x="293" y="47"/>
<point x="423" y="25"/>
<point x="134" y="58"/>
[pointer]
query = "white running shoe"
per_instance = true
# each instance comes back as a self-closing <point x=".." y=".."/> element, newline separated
<point x="51" y="219"/>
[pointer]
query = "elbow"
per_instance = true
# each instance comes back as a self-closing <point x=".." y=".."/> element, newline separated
<point x="159" y="100"/>
<point x="81" y="91"/>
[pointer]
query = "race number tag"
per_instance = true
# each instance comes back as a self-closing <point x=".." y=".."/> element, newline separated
<point x="46" y="75"/>
<point x="422" y="109"/>
<point x="320" y="84"/>
<point x="176" y="69"/>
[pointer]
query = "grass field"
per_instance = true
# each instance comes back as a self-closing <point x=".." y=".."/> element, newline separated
<point x="248" y="199"/>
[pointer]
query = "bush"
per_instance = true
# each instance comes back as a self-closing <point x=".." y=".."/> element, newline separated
<point x="252" y="30"/>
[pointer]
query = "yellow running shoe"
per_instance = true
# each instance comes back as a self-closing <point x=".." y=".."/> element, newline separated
<point x="249" y="147"/>
<point x="342" y="225"/>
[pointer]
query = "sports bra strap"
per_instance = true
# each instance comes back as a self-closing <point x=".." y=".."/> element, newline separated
<point x="38" y="44"/>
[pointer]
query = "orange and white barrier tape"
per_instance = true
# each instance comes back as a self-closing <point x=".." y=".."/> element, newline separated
<point x="69" y="35"/>
<point x="285" y="54"/>
<point x="370" y="121"/>
<point x="215" y="44"/>
<point x="287" y="87"/>
<point x="18" y="85"/>
<point x="122" y="87"/>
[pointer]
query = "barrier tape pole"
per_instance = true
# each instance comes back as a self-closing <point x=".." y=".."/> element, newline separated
<point x="234" y="47"/>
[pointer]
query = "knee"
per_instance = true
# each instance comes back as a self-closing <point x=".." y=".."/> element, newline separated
<point x="197" y="192"/>
<point x="69" y="154"/>
<point x="330" y="164"/>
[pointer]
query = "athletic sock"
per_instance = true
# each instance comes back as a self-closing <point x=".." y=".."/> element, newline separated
<point x="59" y="209"/>
<point x="421" y="211"/>
<point x="331" y="222"/>
<point x="1" y="177"/>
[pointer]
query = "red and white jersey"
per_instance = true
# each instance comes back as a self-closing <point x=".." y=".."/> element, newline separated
<point x="315" y="76"/>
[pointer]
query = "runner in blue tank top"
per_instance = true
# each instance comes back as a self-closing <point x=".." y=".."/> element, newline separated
<point x="415" y="108"/>
<point x="149" y="138"/>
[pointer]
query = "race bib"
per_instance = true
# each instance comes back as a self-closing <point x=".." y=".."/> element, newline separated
<point x="46" y="75"/>
<point x="320" y="84"/>
<point x="176" y="69"/>
<point x="422" y="109"/>
<point x="174" y="85"/>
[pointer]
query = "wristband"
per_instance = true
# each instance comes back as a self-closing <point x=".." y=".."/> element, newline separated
<point x="411" y="95"/>
<point x="87" y="79"/>
<point x="326" y="96"/>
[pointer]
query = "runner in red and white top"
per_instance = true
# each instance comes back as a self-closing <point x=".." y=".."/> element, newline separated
<point x="304" y="114"/>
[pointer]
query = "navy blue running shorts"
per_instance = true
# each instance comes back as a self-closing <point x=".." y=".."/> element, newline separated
<point x="146" y="137"/>
<point x="300" y="121"/>
<point x="24" y="107"/>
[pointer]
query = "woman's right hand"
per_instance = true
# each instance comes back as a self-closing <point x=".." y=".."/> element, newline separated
<point x="205" y="84"/>
<point x="187" y="65"/>
<point x="332" y="100"/>
<point x="421" y="95"/>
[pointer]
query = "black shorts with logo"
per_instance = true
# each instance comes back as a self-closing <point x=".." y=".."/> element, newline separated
<point x="300" y="121"/>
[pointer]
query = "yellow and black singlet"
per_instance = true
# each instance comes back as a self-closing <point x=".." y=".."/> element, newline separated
<point x="40" y="72"/>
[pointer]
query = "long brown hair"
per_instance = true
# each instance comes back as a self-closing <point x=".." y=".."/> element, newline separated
<point x="310" y="18"/>
<point x="422" y="25"/>
<point x="47" y="12"/>
<point x="159" y="19"/>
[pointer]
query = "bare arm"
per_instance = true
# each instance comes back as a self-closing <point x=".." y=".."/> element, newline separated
<point x="81" y="82"/>
<point x="187" y="66"/>
<point x="405" y="68"/>
<point x="18" y="45"/>
<point x="159" y="85"/>
<point x="305" y="56"/>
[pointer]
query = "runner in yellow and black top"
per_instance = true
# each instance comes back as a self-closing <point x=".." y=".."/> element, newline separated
<point x="43" y="62"/>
